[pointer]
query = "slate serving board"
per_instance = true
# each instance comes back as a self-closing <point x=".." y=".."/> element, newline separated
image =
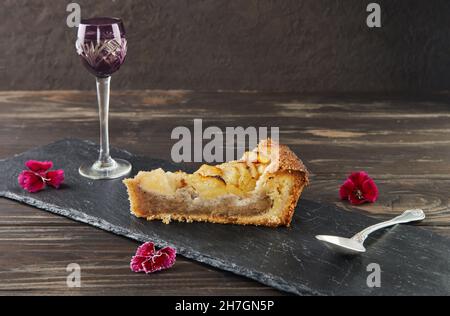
<point x="413" y="261"/>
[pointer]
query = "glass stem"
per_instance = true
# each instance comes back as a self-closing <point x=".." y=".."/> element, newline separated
<point x="103" y="90"/>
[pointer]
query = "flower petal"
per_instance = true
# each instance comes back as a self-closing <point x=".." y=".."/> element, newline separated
<point x="136" y="263"/>
<point x="30" y="181"/>
<point x="167" y="258"/>
<point x="146" y="250"/>
<point x="370" y="190"/>
<point x="149" y="266"/>
<point x="346" y="189"/>
<point x="355" y="200"/>
<point x="358" y="177"/>
<point x="39" y="166"/>
<point x="55" y="178"/>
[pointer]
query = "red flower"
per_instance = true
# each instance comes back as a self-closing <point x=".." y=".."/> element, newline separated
<point x="38" y="176"/>
<point x="148" y="260"/>
<point x="359" y="188"/>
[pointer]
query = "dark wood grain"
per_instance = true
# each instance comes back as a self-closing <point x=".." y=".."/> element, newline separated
<point x="403" y="142"/>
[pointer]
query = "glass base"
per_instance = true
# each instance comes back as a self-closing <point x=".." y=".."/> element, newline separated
<point x="115" y="168"/>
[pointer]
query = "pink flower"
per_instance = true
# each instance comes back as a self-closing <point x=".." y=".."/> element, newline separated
<point x="148" y="260"/>
<point x="38" y="175"/>
<point x="359" y="188"/>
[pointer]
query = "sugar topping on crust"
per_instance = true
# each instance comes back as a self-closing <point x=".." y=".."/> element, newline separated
<point x="279" y="158"/>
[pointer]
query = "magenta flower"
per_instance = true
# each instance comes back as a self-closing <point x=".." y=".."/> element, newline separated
<point x="358" y="189"/>
<point x="148" y="260"/>
<point x="38" y="176"/>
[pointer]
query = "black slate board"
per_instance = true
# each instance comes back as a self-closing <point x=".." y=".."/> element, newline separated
<point x="412" y="260"/>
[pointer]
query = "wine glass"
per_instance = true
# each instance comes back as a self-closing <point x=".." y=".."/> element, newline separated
<point x="102" y="47"/>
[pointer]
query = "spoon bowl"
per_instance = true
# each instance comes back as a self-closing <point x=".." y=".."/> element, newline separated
<point x="341" y="244"/>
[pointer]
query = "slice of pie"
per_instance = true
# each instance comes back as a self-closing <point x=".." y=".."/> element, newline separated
<point x="262" y="188"/>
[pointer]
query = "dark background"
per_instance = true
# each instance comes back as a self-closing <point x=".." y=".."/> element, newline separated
<point x="283" y="45"/>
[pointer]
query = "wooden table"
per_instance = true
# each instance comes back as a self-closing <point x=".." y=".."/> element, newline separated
<point x="403" y="142"/>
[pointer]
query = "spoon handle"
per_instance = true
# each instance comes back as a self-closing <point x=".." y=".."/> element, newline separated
<point x="406" y="217"/>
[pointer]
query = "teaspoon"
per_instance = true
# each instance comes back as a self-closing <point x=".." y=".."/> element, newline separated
<point x="354" y="245"/>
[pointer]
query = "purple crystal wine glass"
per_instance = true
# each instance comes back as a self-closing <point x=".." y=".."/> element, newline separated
<point x="102" y="47"/>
